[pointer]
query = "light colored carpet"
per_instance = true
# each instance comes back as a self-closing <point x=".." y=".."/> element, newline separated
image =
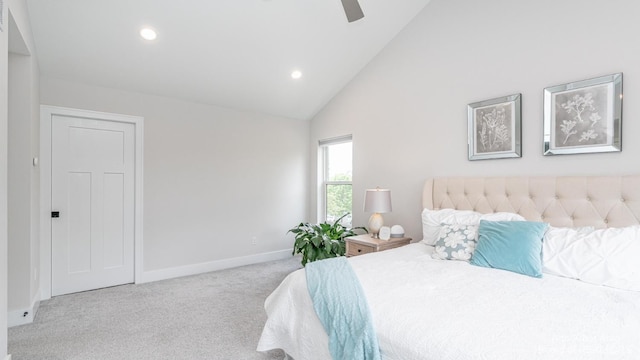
<point x="217" y="315"/>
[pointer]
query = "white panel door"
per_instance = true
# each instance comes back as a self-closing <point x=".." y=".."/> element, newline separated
<point x="92" y="190"/>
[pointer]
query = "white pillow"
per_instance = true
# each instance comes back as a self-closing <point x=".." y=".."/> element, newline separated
<point x="432" y="220"/>
<point x="606" y="257"/>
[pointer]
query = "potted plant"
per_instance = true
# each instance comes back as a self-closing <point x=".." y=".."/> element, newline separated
<point x="321" y="241"/>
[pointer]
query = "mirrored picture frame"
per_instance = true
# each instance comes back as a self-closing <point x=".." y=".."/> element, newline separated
<point x="583" y="116"/>
<point x="495" y="128"/>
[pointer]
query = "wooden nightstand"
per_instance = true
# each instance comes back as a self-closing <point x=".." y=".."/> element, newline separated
<point x="364" y="244"/>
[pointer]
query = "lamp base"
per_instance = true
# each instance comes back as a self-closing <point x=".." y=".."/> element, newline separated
<point x="375" y="223"/>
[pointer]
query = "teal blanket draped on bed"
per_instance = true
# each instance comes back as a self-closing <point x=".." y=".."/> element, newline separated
<point x="341" y="305"/>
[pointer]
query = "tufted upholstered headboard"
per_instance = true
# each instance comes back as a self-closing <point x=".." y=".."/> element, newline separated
<point x="599" y="201"/>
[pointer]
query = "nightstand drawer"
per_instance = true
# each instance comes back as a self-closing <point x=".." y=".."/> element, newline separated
<point x="365" y="244"/>
<point x="354" y="249"/>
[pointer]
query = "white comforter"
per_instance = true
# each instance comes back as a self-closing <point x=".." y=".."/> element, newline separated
<point x="451" y="310"/>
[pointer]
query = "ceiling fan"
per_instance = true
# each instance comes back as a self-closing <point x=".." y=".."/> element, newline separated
<point x="353" y="10"/>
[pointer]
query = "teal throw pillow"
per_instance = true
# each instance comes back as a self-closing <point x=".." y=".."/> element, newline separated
<point x="510" y="245"/>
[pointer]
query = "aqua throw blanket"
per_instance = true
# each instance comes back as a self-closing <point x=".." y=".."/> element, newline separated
<point x="341" y="305"/>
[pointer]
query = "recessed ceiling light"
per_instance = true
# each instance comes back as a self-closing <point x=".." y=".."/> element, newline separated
<point x="296" y="74"/>
<point x="148" y="34"/>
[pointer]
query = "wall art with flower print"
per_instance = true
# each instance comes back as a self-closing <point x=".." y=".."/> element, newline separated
<point x="494" y="128"/>
<point x="584" y="117"/>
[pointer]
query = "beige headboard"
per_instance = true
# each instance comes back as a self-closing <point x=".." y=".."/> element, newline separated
<point x="600" y="201"/>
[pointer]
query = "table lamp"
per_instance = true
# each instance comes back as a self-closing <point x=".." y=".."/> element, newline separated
<point x="377" y="201"/>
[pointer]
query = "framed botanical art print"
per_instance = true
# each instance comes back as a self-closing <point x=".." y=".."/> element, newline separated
<point x="584" y="116"/>
<point x="494" y="128"/>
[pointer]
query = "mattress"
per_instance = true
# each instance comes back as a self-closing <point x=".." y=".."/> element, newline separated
<point x="424" y="308"/>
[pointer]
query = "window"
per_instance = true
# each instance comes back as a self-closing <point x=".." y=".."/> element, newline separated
<point x="336" y="180"/>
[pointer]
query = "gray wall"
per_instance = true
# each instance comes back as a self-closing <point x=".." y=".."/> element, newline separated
<point x="216" y="180"/>
<point x="407" y="108"/>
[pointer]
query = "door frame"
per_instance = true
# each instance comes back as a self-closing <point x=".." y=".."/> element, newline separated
<point x="46" y="115"/>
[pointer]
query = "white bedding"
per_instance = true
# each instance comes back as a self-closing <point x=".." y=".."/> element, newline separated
<point x="451" y="310"/>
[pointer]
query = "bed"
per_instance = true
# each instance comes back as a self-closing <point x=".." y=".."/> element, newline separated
<point x="585" y="306"/>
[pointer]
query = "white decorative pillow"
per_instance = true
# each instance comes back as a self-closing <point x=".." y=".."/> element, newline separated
<point x="432" y="220"/>
<point x="456" y="242"/>
<point x="606" y="257"/>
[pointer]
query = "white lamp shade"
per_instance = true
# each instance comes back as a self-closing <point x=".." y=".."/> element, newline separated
<point x="377" y="201"/>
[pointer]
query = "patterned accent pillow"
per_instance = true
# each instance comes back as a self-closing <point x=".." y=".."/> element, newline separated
<point x="456" y="242"/>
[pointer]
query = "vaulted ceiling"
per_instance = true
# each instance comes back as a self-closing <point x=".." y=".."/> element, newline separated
<point x="232" y="53"/>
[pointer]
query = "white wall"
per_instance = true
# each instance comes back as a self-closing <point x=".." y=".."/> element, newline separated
<point x="18" y="27"/>
<point x="19" y="183"/>
<point x="216" y="180"/>
<point x="23" y="178"/>
<point x="3" y="189"/>
<point x="407" y="108"/>
<point x="34" y="274"/>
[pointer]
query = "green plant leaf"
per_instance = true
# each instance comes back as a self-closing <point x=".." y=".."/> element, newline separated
<point x="321" y="241"/>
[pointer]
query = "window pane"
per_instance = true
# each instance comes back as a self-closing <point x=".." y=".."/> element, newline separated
<point x="339" y="162"/>
<point x="339" y="200"/>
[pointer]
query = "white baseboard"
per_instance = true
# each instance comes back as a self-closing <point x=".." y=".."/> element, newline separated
<point x="179" y="271"/>
<point x="18" y="317"/>
<point x="8" y="357"/>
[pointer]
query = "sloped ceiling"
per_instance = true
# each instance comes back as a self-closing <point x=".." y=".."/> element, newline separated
<point x="232" y="53"/>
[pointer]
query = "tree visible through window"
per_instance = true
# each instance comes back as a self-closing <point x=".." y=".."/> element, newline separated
<point x="337" y="191"/>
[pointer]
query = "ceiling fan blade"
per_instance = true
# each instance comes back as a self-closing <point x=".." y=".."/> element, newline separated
<point x="353" y="10"/>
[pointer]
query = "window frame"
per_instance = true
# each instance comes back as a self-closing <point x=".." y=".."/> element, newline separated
<point x="323" y="172"/>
